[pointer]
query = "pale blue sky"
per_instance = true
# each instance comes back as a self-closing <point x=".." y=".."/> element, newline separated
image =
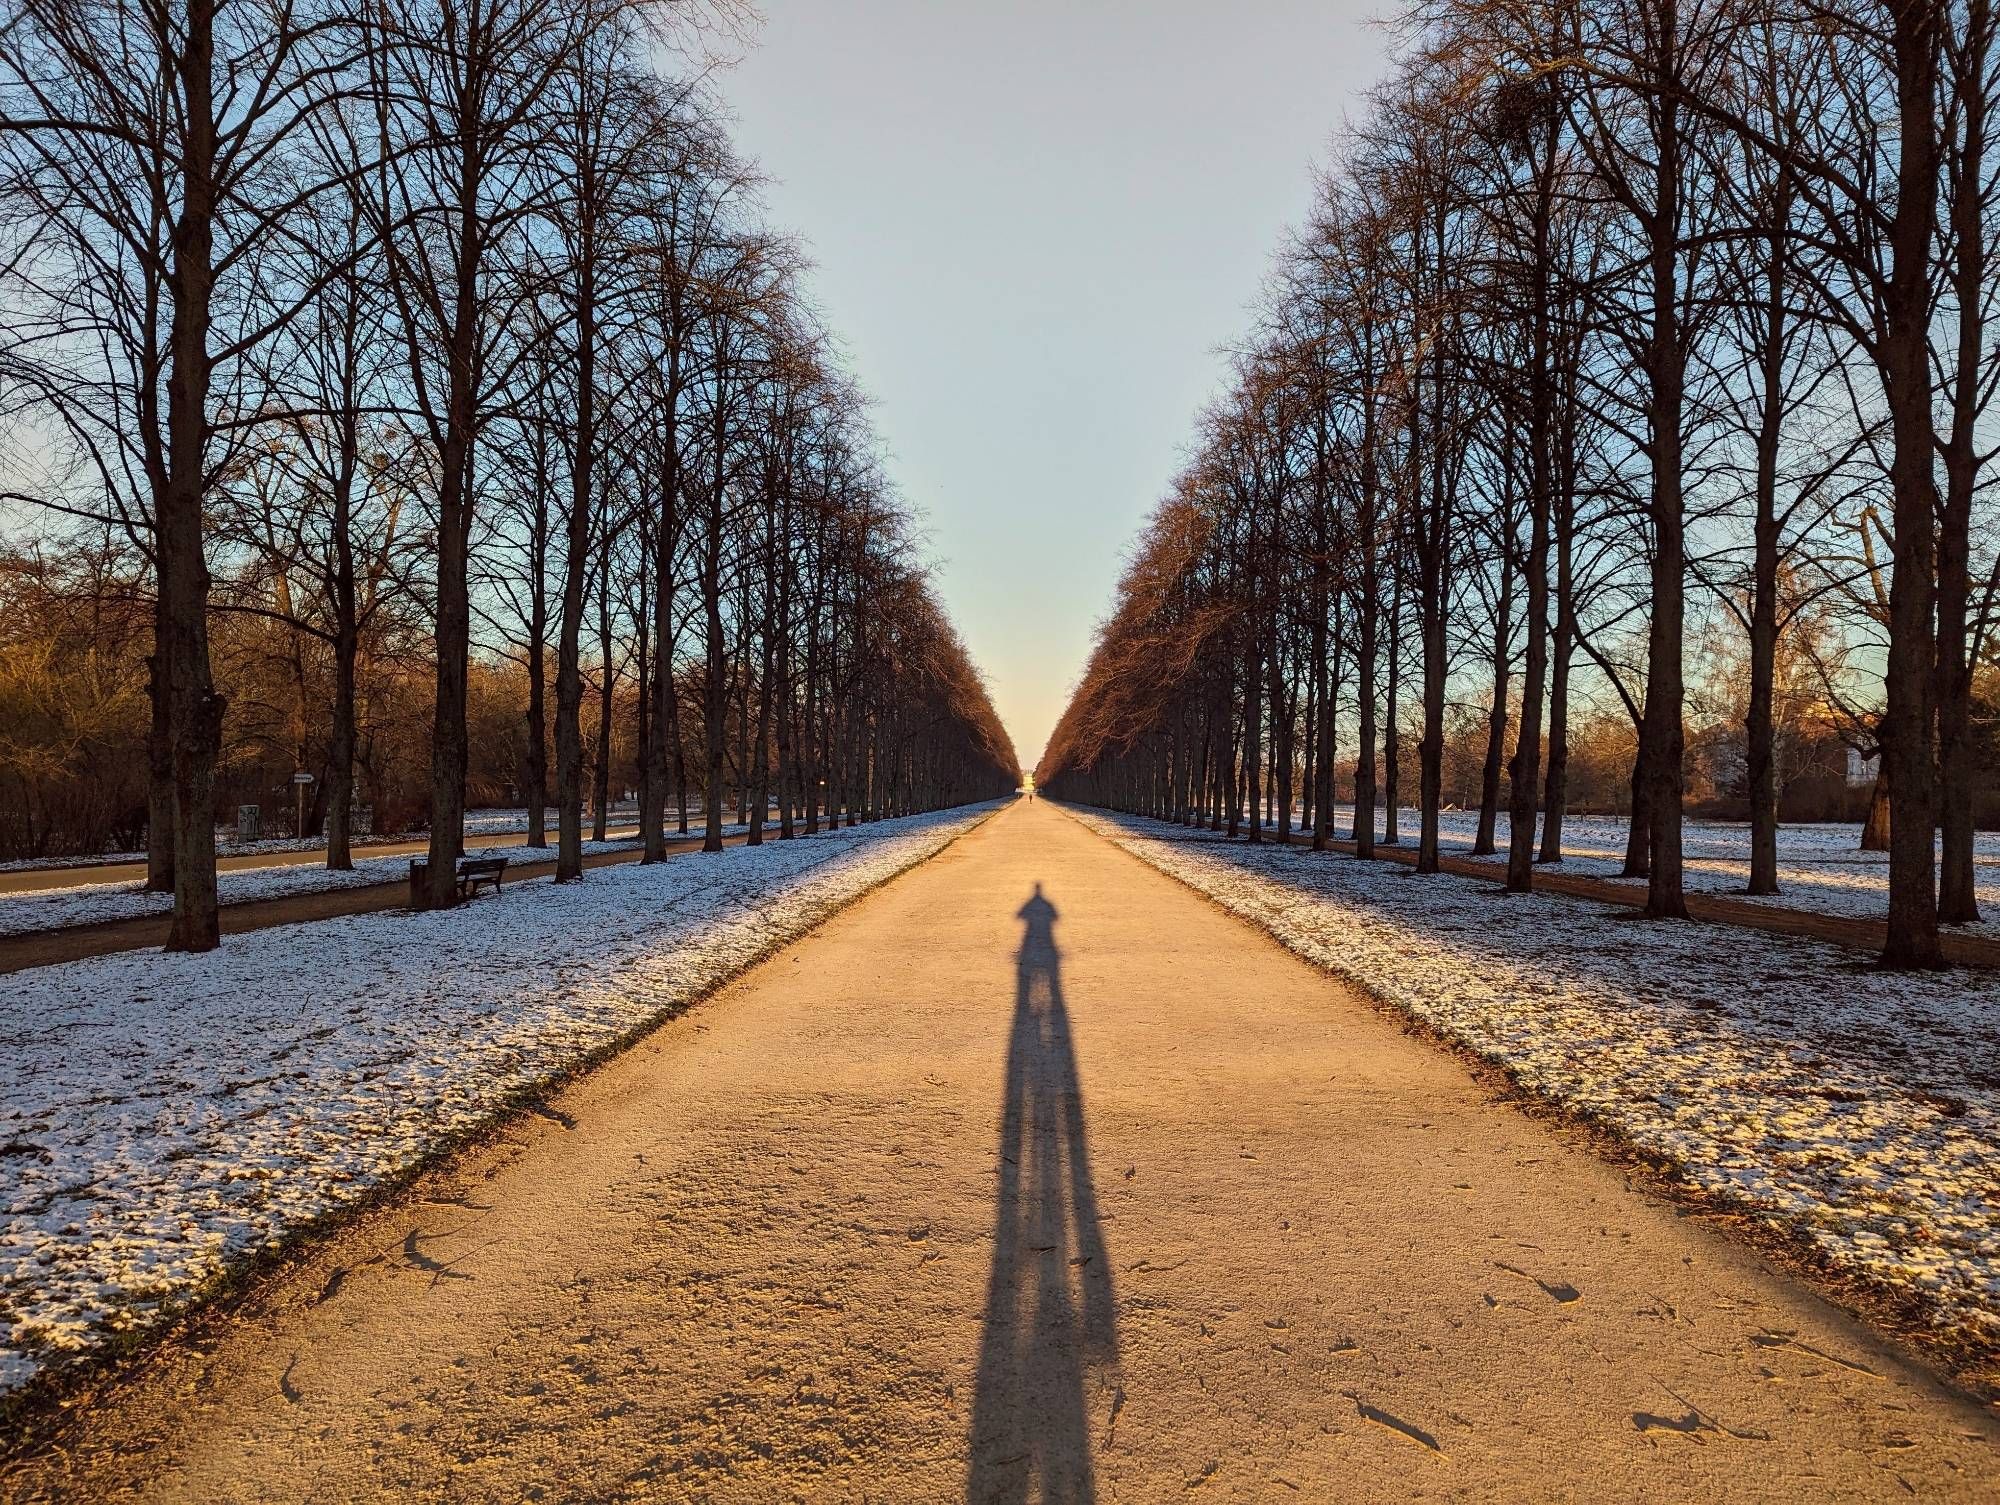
<point x="1034" y="225"/>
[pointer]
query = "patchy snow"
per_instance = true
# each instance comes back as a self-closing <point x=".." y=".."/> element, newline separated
<point x="495" y="822"/>
<point x="1860" y="1110"/>
<point x="100" y="903"/>
<point x="163" y="1118"/>
<point x="1821" y="867"/>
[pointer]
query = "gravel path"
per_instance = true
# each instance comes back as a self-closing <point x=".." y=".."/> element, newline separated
<point x="1032" y="1176"/>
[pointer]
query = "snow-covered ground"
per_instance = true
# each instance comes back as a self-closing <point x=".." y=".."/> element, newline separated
<point x="1857" y="1109"/>
<point x="164" y="1118"/>
<point x="98" y="903"/>
<point x="493" y="822"/>
<point x="1820" y="867"/>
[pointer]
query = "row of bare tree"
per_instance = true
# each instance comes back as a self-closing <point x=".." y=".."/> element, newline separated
<point x="1612" y="314"/>
<point x="336" y="312"/>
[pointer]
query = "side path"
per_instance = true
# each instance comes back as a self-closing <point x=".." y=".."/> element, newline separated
<point x="1858" y="931"/>
<point x="1031" y="1176"/>
<point x="47" y="948"/>
<point x="30" y="879"/>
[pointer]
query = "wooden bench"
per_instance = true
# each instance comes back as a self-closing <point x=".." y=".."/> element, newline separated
<point x="473" y="871"/>
<point x="470" y="872"/>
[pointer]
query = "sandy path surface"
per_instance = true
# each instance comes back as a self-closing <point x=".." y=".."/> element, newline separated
<point x="1081" y="1193"/>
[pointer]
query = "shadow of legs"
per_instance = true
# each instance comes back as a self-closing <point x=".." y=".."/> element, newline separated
<point x="1049" y="1298"/>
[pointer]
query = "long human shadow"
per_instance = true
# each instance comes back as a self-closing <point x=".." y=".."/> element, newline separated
<point x="1050" y="1315"/>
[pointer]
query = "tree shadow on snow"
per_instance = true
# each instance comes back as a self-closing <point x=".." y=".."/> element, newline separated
<point x="1049" y="1308"/>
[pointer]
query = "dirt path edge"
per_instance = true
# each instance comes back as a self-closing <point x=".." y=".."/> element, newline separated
<point x="1955" y="1357"/>
<point x="35" y="1418"/>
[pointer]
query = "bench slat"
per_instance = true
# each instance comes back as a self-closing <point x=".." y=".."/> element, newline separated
<point x="473" y="871"/>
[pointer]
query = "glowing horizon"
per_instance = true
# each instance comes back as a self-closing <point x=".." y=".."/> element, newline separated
<point x="1034" y="225"/>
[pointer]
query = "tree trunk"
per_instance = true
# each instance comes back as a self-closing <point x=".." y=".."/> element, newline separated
<point x="1253" y="748"/>
<point x="1430" y="750"/>
<point x="1483" y="843"/>
<point x="535" y="762"/>
<point x="1907" y="734"/>
<point x="1638" y="831"/>
<point x="576" y="561"/>
<point x="760" y="753"/>
<point x="1524" y="771"/>
<point x="1970" y="275"/>
<point x="465" y="373"/>
<point x="1760" y="760"/>
<point x="194" y="709"/>
<point x="715" y="698"/>
<point x="340" y="750"/>
<point x="159" y="768"/>
<point x="1875" y="829"/>
<point x="600" y="815"/>
<point x="1555" y="797"/>
<point x="1663" y="734"/>
<point x="1392" y="737"/>
<point x="1364" y="766"/>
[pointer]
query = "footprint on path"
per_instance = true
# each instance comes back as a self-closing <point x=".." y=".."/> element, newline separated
<point x="437" y="1269"/>
<point x="553" y="1115"/>
<point x="1408" y="1431"/>
<point x="1561" y="1292"/>
<point x="1690" y="1425"/>
<point x="1791" y="1341"/>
